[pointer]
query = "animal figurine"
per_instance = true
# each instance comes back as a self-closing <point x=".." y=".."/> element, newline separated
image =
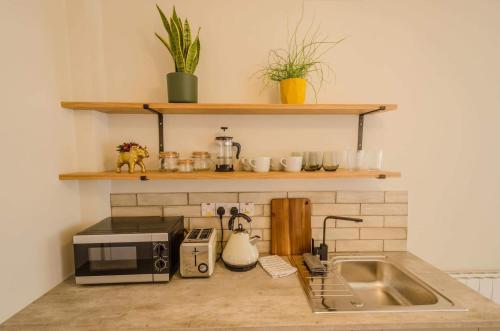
<point x="131" y="154"/>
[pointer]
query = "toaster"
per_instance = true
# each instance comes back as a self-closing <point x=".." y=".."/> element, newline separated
<point x="198" y="253"/>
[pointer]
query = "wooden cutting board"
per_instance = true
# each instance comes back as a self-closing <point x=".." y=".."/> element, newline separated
<point x="290" y="226"/>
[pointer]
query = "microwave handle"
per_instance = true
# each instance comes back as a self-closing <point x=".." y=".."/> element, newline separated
<point x="117" y="238"/>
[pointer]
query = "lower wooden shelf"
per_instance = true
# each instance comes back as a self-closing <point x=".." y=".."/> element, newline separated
<point x="237" y="175"/>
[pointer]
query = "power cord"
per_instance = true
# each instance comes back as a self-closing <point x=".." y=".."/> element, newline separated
<point x="221" y="211"/>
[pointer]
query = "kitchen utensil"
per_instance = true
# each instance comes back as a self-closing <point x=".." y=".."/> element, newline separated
<point x="198" y="253"/>
<point x="348" y="159"/>
<point x="292" y="163"/>
<point x="299" y="154"/>
<point x="374" y="159"/>
<point x="313" y="161"/>
<point x="291" y="226"/>
<point x="245" y="164"/>
<point x="225" y="153"/>
<point x="276" y="164"/>
<point x="240" y="252"/>
<point x="168" y="161"/>
<point x="331" y="161"/>
<point x="261" y="164"/>
<point x="201" y="161"/>
<point x="361" y="160"/>
<point x="185" y="165"/>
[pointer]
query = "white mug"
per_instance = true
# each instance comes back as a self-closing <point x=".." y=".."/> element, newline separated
<point x="261" y="164"/>
<point x="245" y="164"/>
<point x="276" y="164"/>
<point x="292" y="163"/>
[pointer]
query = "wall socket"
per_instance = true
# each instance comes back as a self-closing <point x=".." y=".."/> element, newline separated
<point x="247" y="208"/>
<point x="209" y="209"/>
<point x="227" y="206"/>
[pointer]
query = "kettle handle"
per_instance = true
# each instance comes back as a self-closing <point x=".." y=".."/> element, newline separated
<point x="238" y="149"/>
<point x="230" y="224"/>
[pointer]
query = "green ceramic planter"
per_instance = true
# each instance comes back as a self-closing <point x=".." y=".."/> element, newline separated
<point x="182" y="87"/>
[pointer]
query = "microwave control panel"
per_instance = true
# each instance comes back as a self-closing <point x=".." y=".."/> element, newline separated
<point x="160" y="257"/>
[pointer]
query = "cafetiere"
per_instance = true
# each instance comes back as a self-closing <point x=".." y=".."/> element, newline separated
<point x="225" y="143"/>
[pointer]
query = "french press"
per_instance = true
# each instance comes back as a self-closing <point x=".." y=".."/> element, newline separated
<point x="225" y="143"/>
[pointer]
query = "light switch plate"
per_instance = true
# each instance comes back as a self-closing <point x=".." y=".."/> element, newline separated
<point x="247" y="208"/>
<point x="208" y="209"/>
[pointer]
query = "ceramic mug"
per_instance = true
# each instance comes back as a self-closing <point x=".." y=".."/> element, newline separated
<point x="276" y="164"/>
<point x="245" y="164"/>
<point x="261" y="164"/>
<point x="292" y="163"/>
<point x="301" y="154"/>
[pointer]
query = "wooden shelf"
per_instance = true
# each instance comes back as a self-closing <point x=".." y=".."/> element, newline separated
<point x="228" y="108"/>
<point x="239" y="175"/>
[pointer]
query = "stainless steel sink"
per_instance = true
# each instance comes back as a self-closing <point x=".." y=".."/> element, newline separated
<point x="369" y="283"/>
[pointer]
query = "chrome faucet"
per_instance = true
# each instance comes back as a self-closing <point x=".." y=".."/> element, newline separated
<point x="322" y="250"/>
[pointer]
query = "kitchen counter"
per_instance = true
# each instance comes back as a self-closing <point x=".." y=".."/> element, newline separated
<point x="237" y="301"/>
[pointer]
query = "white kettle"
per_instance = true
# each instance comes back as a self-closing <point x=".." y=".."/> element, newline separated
<point x="240" y="253"/>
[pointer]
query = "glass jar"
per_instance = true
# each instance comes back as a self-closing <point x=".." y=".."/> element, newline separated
<point x="185" y="165"/>
<point x="168" y="161"/>
<point x="201" y="161"/>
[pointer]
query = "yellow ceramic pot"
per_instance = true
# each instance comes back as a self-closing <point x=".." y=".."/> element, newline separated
<point x="293" y="90"/>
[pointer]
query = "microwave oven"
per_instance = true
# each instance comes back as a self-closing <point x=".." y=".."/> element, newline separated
<point x="128" y="250"/>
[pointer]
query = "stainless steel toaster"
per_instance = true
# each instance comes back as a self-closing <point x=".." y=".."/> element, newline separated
<point x="198" y="253"/>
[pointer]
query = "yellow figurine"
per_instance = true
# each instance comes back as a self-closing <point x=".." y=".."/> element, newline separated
<point x="131" y="154"/>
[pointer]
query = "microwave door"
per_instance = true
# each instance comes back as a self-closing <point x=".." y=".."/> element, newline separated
<point x="114" y="259"/>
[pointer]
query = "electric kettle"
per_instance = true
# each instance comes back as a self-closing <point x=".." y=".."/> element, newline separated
<point x="240" y="253"/>
<point x="225" y="144"/>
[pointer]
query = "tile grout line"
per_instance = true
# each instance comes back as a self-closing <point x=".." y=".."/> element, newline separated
<point x="267" y="204"/>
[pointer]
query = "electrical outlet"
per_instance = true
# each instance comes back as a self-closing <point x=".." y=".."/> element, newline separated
<point x="247" y="208"/>
<point x="227" y="206"/>
<point x="208" y="209"/>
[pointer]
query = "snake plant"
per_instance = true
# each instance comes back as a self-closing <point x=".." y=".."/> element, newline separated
<point x="184" y="51"/>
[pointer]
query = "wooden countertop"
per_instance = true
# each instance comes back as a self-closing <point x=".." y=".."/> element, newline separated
<point x="237" y="301"/>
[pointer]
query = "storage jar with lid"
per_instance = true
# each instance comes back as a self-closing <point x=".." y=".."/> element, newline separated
<point x="185" y="165"/>
<point x="168" y="161"/>
<point x="201" y="161"/>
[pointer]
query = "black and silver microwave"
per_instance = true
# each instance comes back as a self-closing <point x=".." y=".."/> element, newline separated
<point x="128" y="250"/>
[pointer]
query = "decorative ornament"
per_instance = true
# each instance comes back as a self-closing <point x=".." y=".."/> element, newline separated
<point x="131" y="153"/>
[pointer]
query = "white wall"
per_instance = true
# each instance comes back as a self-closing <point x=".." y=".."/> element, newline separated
<point x="436" y="59"/>
<point x="39" y="213"/>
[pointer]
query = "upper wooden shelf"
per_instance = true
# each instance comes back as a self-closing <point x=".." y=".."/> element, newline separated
<point x="237" y="175"/>
<point x="229" y="108"/>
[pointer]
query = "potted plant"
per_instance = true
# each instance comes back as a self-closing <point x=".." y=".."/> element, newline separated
<point x="131" y="154"/>
<point x="294" y="66"/>
<point x="182" y="84"/>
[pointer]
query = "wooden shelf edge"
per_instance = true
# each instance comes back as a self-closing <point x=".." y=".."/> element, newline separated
<point x="228" y="108"/>
<point x="158" y="175"/>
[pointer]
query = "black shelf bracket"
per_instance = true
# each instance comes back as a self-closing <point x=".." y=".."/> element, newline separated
<point x="361" y="123"/>
<point x="161" y="142"/>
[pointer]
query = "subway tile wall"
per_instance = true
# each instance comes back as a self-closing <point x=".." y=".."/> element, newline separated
<point x="384" y="227"/>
